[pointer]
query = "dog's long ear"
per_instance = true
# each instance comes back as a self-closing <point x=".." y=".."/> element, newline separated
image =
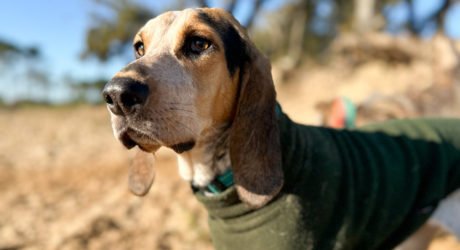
<point x="255" y="150"/>
<point x="141" y="173"/>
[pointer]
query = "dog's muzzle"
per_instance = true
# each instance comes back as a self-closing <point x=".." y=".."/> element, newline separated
<point x="125" y="96"/>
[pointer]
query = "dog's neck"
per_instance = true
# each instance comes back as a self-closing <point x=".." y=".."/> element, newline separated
<point x="208" y="159"/>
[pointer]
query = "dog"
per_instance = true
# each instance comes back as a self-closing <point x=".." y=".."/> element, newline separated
<point x="199" y="86"/>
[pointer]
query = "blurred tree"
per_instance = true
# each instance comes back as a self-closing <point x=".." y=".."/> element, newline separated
<point x="8" y="49"/>
<point x="109" y="37"/>
<point x="87" y="91"/>
<point x="437" y="16"/>
<point x="304" y="29"/>
<point x="24" y="81"/>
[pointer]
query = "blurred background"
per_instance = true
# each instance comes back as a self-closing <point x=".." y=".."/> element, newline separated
<point x="63" y="175"/>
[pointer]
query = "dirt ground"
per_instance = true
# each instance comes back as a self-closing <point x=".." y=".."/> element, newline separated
<point x="63" y="176"/>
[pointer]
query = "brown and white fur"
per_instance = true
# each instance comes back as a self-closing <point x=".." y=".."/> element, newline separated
<point x="199" y="86"/>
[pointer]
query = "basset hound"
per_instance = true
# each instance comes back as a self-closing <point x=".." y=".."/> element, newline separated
<point x="199" y="86"/>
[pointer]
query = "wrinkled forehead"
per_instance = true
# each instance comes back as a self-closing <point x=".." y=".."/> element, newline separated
<point x="156" y="29"/>
<point x="170" y="31"/>
<point x="176" y="25"/>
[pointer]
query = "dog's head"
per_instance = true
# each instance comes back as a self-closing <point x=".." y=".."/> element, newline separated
<point x="194" y="70"/>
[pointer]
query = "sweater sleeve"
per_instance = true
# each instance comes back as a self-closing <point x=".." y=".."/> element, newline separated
<point x="427" y="129"/>
<point x="442" y="134"/>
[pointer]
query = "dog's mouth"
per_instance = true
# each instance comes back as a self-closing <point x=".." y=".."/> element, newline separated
<point x="183" y="147"/>
<point x="131" y="138"/>
<point x="126" y="140"/>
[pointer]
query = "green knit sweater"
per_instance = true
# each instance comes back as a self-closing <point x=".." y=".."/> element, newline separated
<point x="367" y="188"/>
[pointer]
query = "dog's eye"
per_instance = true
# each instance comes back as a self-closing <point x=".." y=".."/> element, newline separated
<point x="139" y="48"/>
<point x="200" y="45"/>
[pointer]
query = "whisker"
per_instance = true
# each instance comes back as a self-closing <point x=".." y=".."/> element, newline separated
<point x="177" y="103"/>
<point x="189" y="129"/>
<point x="190" y="111"/>
<point x="170" y="133"/>
<point x="180" y="134"/>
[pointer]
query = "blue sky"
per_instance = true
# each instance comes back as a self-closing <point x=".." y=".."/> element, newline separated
<point x="58" y="29"/>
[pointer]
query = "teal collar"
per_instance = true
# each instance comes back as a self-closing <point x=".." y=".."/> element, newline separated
<point x="225" y="180"/>
<point x="278" y="110"/>
<point x="222" y="182"/>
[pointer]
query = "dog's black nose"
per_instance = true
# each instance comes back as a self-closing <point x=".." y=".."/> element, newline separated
<point x="125" y="95"/>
